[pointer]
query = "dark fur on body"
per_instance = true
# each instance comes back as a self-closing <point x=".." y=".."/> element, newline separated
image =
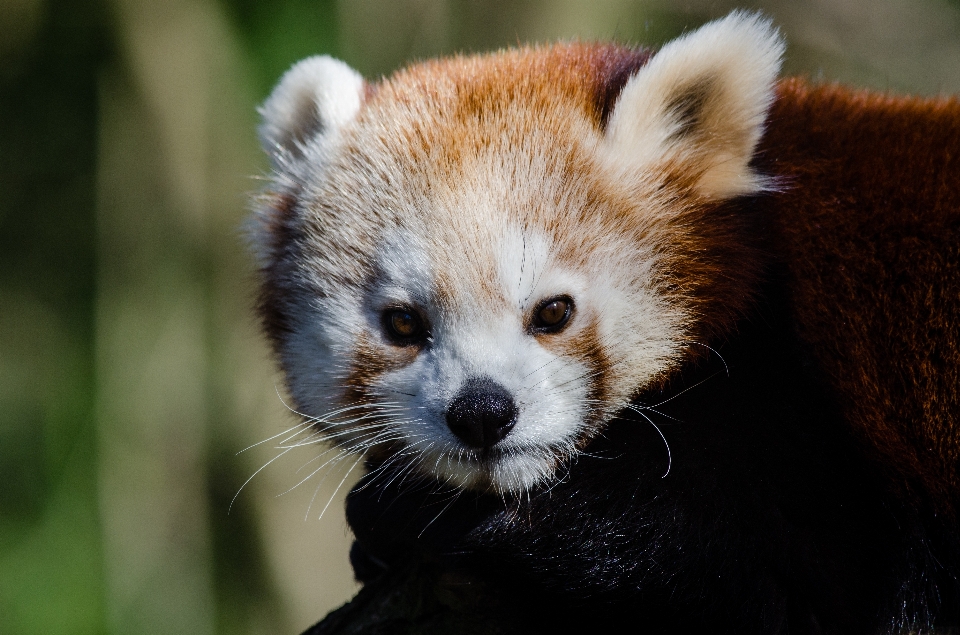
<point x="814" y="480"/>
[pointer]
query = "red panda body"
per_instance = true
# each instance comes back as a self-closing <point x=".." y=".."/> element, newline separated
<point x="869" y="225"/>
<point x="696" y="331"/>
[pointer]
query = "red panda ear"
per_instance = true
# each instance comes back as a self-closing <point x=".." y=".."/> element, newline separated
<point x="696" y="110"/>
<point x="315" y="98"/>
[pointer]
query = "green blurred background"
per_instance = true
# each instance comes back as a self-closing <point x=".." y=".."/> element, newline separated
<point x="131" y="370"/>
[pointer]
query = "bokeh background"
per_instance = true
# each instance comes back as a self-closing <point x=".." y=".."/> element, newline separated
<point x="131" y="370"/>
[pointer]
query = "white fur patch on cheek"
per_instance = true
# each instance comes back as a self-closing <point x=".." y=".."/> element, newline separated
<point x="553" y="395"/>
<point x="319" y="353"/>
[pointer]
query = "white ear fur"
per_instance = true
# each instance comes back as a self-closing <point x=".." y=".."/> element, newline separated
<point x="699" y="105"/>
<point x="316" y="97"/>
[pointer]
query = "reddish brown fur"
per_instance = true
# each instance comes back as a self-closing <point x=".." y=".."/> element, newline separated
<point x="588" y="347"/>
<point x="589" y="75"/>
<point x="869" y="226"/>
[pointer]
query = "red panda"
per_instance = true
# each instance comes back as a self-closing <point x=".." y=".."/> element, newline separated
<point x="684" y="337"/>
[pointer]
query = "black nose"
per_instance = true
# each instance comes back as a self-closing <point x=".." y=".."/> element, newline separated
<point x="482" y="413"/>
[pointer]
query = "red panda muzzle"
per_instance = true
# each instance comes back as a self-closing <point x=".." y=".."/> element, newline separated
<point x="482" y="413"/>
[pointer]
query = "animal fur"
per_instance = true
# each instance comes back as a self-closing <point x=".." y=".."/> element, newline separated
<point x="766" y="273"/>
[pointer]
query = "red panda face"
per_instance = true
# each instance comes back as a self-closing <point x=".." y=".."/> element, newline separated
<point x="472" y="266"/>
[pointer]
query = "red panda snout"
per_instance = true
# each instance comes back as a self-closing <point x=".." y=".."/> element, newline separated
<point x="482" y="413"/>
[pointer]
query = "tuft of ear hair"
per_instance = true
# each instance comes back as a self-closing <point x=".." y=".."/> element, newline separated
<point x="696" y="111"/>
<point x="312" y="101"/>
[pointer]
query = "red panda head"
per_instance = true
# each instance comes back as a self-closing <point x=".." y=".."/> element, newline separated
<point x="472" y="265"/>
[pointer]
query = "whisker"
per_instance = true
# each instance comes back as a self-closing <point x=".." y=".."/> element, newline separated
<point x="280" y="434"/>
<point x="453" y="499"/>
<point x="384" y="467"/>
<point x="342" y="481"/>
<point x="316" y="490"/>
<point x="541" y="368"/>
<point x="702" y="381"/>
<point x="714" y="351"/>
<point x="361" y="442"/>
<point x="324" y="436"/>
<point x="665" y="443"/>
<point x="656" y="412"/>
<point x="400" y="392"/>
<point x="251" y="478"/>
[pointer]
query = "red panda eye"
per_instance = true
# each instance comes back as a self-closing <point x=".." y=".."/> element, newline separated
<point x="402" y="325"/>
<point x="553" y="314"/>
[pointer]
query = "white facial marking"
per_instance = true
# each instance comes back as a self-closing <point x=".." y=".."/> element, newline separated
<point x="473" y="336"/>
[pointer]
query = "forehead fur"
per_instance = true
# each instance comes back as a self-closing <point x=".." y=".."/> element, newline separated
<point x="462" y="91"/>
<point x="454" y="144"/>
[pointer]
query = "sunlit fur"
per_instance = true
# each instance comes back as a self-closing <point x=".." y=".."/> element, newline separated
<point x="471" y="189"/>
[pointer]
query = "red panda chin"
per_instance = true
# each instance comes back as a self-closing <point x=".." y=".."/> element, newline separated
<point x="497" y="471"/>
